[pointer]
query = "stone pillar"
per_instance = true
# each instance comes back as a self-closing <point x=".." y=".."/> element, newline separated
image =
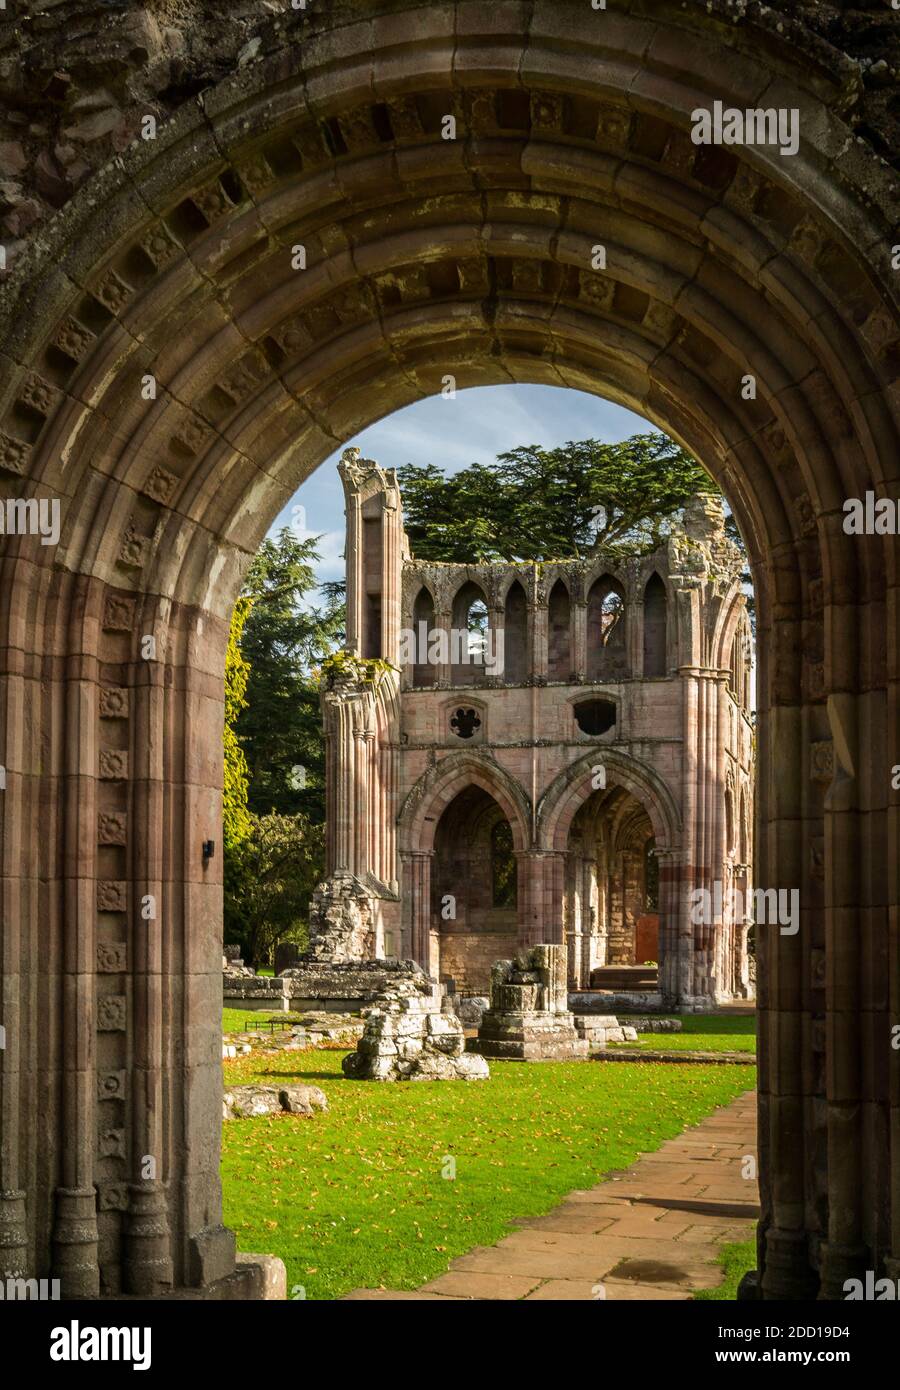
<point x="691" y="810"/>
<point x="530" y="880"/>
<point x="496" y="675"/>
<point x="634" y="636"/>
<point x="554" y="895"/>
<point x="784" y="1111"/>
<point x="363" y="745"/>
<point x="538" y="640"/>
<point x="354" y="571"/>
<point x="669" y="894"/>
<point x="417" y="904"/>
<point x="391" y="571"/>
<point x="19" y="809"/>
<point x="341" y="759"/>
<point x="147" y="1264"/>
<point x="75" y="1231"/>
<point x="579" y="640"/>
<point x="844" y="1253"/>
<point x="443" y="623"/>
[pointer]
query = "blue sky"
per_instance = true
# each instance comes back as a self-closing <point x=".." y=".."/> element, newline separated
<point x="477" y="425"/>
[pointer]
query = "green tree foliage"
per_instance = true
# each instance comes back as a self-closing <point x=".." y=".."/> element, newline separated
<point x="550" y="504"/>
<point x="274" y="872"/>
<point x="285" y="639"/>
<point x="235" y="815"/>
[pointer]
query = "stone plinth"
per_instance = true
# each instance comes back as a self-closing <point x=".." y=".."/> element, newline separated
<point x="409" y="1037"/>
<point x="528" y="1020"/>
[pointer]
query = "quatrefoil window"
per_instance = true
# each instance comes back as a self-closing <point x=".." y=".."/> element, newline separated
<point x="465" y="722"/>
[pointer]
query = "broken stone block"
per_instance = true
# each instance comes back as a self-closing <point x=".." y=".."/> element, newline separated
<point x="528" y="1020"/>
<point x="245" y="1102"/>
<point x="411" y="1037"/>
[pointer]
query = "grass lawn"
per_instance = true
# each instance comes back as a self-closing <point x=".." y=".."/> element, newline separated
<point x="701" y="1033"/>
<point x="357" y="1197"/>
<point x="735" y="1260"/>
<point x="245" y="1020"/>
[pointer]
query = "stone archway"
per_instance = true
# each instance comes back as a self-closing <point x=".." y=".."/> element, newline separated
<point x="169" y="377"/>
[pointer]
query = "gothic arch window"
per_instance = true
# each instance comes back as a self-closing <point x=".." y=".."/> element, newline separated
<point x="739" y="679"/>
<point x="515" y="636"/>
<point x="503" y="865"/>
<point x="651" y="876"/>
<point x="468" y="635"/>
<point x="744" y="830"/>
<point x="655" y="627"/>
<point x="559" y="635"/>
<point x="606" y="630"/>
<point x="424" y="671"/>
<point x="729" y="821"/>
<point x="735" y="680"/>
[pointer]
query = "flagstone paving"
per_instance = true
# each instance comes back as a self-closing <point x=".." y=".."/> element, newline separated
<point x="653" y="1231"/>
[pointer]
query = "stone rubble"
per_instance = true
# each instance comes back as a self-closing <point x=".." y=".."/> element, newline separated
<point x="410" y="1037"/>
<point x="245" y="1102"/>
<point x="311" y="1031"/>
<point x="599" y="1030"/>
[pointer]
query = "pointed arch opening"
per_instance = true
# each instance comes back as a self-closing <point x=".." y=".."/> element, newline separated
<point x="468" y="635"/>
<point x="559" y="633"/>
<point x="655" y="627"/>
<point x="606" y="651"/>
<point x="515" y="635"/>
<point x="424" y="671"/>
<point x="474" y="891"/>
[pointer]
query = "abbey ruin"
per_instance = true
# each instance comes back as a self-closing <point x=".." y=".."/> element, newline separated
<point x="571" y="764"/>
<point x="170" y="374"/>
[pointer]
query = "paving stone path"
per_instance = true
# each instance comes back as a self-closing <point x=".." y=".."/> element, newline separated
<point x="652" y="1232"/>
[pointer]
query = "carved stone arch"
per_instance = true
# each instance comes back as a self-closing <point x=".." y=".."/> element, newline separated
<point x="628" y="823"/>
<point x="509" y="579"/>
<point x="571" y="788"/>
<point x="727" y="625"/>
<point x="655" y="611"/>
<point x="436" y="788"/>
<point x="740" y="260"/>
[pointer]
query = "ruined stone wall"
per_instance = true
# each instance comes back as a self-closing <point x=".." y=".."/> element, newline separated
<point x="77" y="77"/>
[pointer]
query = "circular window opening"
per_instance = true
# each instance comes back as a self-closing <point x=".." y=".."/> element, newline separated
<point x="595" y="716"/>
<point x="465" y="722"/>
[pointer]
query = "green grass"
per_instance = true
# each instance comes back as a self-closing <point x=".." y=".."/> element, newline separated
<point x="245" y="1020"/>
<point x="701" y="1033"/>
<point x="356" y="1198"/>
<point x="736" y="1260"/>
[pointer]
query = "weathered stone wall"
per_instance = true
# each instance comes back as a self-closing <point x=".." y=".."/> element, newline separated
<point x="466" y="958"/>
<point x="428" y="256"/>
<point x="77" y="77"/>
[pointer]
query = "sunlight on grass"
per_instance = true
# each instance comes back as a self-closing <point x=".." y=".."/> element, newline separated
<point x="736" y="1260"/>
<point x="356" y="1197"/>
<point x="702" y="1033"/>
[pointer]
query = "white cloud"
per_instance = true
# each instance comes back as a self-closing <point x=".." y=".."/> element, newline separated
<point x="475" y="425"/>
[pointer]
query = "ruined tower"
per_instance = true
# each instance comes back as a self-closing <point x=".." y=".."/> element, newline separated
<point x="538" y="753"/>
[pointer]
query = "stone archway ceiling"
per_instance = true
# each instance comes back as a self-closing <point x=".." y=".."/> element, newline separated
<point x="472" y="257"/>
